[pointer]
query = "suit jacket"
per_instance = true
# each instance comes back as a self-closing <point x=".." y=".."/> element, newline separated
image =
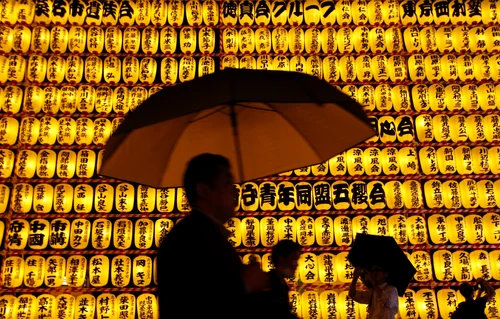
<point x="199" y="272"/>
<point x="273" y="303"/>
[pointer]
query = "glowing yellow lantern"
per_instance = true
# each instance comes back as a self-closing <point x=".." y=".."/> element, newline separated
<point x="433" y="193"/>
<point x="462" y="266"/>
<point x="379" y="226"/>
<point x="16" y="68"/>
<point x="461" y="40"/>
<point x="428" y="161"/>
<point x="308" y="268"/>
<point x="168" y="40"/>
<point x="380" y="68"/>
<point x="34" y="271"/>
<point x="169" y="67"/>
<point x="210" y="13"/>
<point x="142" y="271"/>
<point x="49" y="129"/>
<point x="377" y="40"/>
<point x="458" y="128"/>
<point x="407" y="308"/>
<point x="287" y="228"/>
<point x="65" y="306"/>
<point x="477" y="36"/>
<point x="21" y="37"/>
<point x="95" y="40"/>
<point x="492" y="127"/>
<point x="233" y="226"/>
<point x="143" y="235"/>
<point x="148" y="302"/>
<point x="486" y="194"/>
<point x="446" y="160"/>
<point x="482" y="69"/>
<point x="66" y="164"/>
<point x="305" y="230"/>
<point x="187" y="40"/>
<point x="347" y="306"/>
<point x="127" y="12"/>
<point x="359" y="12"/>
<point x="108" y="305"/>
<point x="76" y="269"/>
<point x="40" y="39"/>
<point x="121" y="99"/>
<point x="428" y="39"/>
<point x="421" y="260"/>
<point x="451" y="194"/>
<point x="250" y="231"/>
<point x="68" y="99"/>
<point x="17" y="235"/>
<point x="122" y="234"/>
<point x="63" y="198"/>
<point x="145" y="199"/>
<point x="324" y="231"/>
<point x="206" y="38"/>
<point x="26" y="164"/>
<point x="74" y="70"/>
<point x="112" y="69"/>
<point x="12" y="97"/>
<point x="417" y="230"/>
<point x="101" y="233"/>
<point x="37" y="67"/>
<point x="33" y="99"/>
<point x="124" y="197"/>
<point x="444" y="36"/>
<point x="126" y="302"/>
<point x="279" y="40"/>
<point x="337" y="165"/>
<point x="401" y="98"/>
<point x="25" y="307"/>
<point x="447" y="302"/>
<point x="494" y="256"/>
<point x="456" y="228"/>
<point x="13" y="272"/>
<point x="492" y="38"/>
<point x="162" y="227"/>
<point x="113" y="40"/>
<point x="67" y="131"/>
<point x="345" y="40"/>
<point x="59" y="239"/>
<point x="121" y="267"/>
<point x="329" y="40"/>
<point x="480" y="160"/>
<point x="412" y="42"/>
<point x="4" y="201"/>
<point x="6" y="163"/>
<point x="475" y="128"/>
<point x="441" y="127"/>
<point x="487" y="96"/>
<point x="371" y="161"/>
<point x="376" y="195"/>
<point x="102" y="131"/>
<point x="147" y="70"/>
<point x="426" y="301"/>
<point x="46" y="163"/>
<point x="327" y="274"/>
<point x="354" y="159"/>
<point x="187" y="69"/>
<point x="83" y="196"/>
<point x="42" y="201"/>
<point x="84" y="131"/>
<point x="29" y="131"/>
<point x="358" y="195"/>
<point x="494" y="158"/>
<point x="264" y="62"/>
<point x="364" y="73"/>
<point x="131" y="40"/>
<point x="397" y="229"/>
<point x="393" y="39"/>
<point x="362" y="36"/>
<point x="397" y="68"/>
<point x="465" y="67"/>
<point x="143" y="12"/>
<point x="474" y="229"/>
<point x="491" y="223"/>
<point x="344" y="231"/>
<point x="340" y="195"/>
<point x="331" y="72"/>
<point x="85" y="304"/>
<point x="343" y="267"/>
<point x="56" y="69"/>
<point x="360" y="225"/>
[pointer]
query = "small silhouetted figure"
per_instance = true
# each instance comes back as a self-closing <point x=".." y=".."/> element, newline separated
<point x="474" y="308"/>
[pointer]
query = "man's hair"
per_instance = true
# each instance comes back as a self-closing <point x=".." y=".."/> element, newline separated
<point x="202" y="169"/>
<point x="466" y="290"/>
<point x="284" y="249"/>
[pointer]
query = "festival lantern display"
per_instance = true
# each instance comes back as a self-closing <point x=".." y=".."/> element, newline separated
<point x="13" y="272"/>
<point x="461" y="265"/>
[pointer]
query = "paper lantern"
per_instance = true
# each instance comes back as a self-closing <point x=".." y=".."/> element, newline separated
<point x="59" y="237"/>
<point x="456" y="228"/>
<point x="42" y="201"/>
<point x="6" y="163"/>
<point x="250" y="231"/>
<point x="49" y="129"/>
<point x="34" y="271"/>
<point x="56" y="69"/>
<point x="441" y="127"/>
<point x="340" y="195"/>
<point x="168" y="40"/>
<point x="428" y="161"/>
<point x="359" y="195"/>
<point x="131" y="40"/>
<point x="145" y="199"/>
<point x="480" y="160"/>
<point x="326" y="270"/>
<point x="417" y="230"/>
<point x="492" y="37"/>
<point x="287" y="228"/>
<point x="131" y="70"/>
<point x="210" y="13"/>
<point x="63" y="198"/>
<point x="372" y="161"/>
<point x="13" y="96"/>
<point x="13" y="272"/>
<point x="354" y="159"/>
<point x="397" y="229"/>
<point x="85" y="305"/>
<point x="379" y="226"/>
<point x="475" y="128"/>
<point x="444" y="36"/>
<point x="487" y="96"/>
<point x="85" y="161"/>
<point x="438" y="229"/>
<point x="465" y="67"/>
<point x="421" y="260"/>
<point x="16" y="68"/>
<point x="101" y="233"/>
<point x="234" y="227"/>
<point x="126" y="302"/>
<point x="76" y="270"/>
<point x="344" y="231"/>
<point x="80" y="234"/>
<point x="343" y="267"/>
<point x="451" y="194"/>
<point x="122" y="234"/>
<point x="21" y="38"/>
<point x="495" y="266"/>
<point x="322" y="196"/>
<point x="4" y="201"/>
<point x="407" y="308"/>
<point x="108" y="306"/>
<point x="491" y="223"/>
<point x="363" y="73"/>
<point x="26" y="164"/>
<point x="74" y="70"/>
<point x="33" y="99"/>
<point x="83" y="197"/>
<point x="95" y="40"/>
<point x="401" y="98"/>
<point x="360" y="225"/>
<point x="66" y="163"/>
<point x="446" y="160"/>
<point x="124" y="197"/>
<point x="461" y="266"/>
<point x="482" y="69"/>
<point x="486" y="194"/>
<point x="187" y="69"/>
<point x="143" y="235"/>
<point x="25" y="307"/>
<point x="36" y="69"/>
<point x="147" y="306"/>
<point x="308" y="268"/>
<point x="348" y="308"/>
<point x="447" y="302"/>
<point x="458" y="128"/>
<point x="206" y="66"/>
<point x="142" y="271"/>
<point x="268" y="231"/>
<point x="477" y="38"/>
<point x="29" y="131"/>
<point x="397" y="68"/>
<point x="305" y="230"/>
<point x="494" y="158"/>
<point x="426" y="303"/>
<point x="147" y="70"/>
<point x="331" y="72"/>
<point x="121" y="266"/>
<point x="40" y="39"/>
<point x="324" y="231"/>
<point x="433" y="68"/>
<point x="162" y="227"/>
<point x="46" y="164"/>
<point x="474" y="229"/>
<point x="376" y="195"/>
<point x="113" y="39"/>
<point x="169" y="67"/>
<point x="492" y="127"/>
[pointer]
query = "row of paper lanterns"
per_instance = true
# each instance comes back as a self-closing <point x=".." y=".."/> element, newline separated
<point x="266" y="196"/>
<point x="83" y="131"/>
<point x="83" y="306"/>
<point x="424" y="303"/>
<point x="324" y="231"/>
<point x="195" y="12"/>
<point x="129" y="70"/>
<point x="326" y="268"/>
<point x="187" y="40"/>
<point x="383" y="97"/>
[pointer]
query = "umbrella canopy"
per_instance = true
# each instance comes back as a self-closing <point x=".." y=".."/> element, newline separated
<point x="264" y="122"/>
<point x="368" y="250"/>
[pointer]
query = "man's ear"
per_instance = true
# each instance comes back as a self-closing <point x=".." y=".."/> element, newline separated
<point x="202" y="191"/>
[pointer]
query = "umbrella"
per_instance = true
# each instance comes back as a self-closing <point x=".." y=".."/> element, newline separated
<point x="368" y="250"/>
<point x="266" y="122"/>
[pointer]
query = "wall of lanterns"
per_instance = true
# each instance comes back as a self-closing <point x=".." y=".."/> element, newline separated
<point x="427" y="73"/>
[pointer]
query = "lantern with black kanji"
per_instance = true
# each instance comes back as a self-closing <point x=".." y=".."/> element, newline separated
<point x="76" y="270"/>
<point x="80" y="233"/>
<point x="142" y="271"/>
<point x="25" y="307"/>
<point x="461" y="266"/>
<point x="13" y="272"/>
<point x="491" y="222"/>
<point x="443" y="265"/>
<point x="343" y="231"/>
<point x="99" y="270"/>
<point x="495" y="266"/>
<point x="447" y="302"/>
<point x="324" y="231"/>
<point x="397" y="228"/>
<point x="63" y="198"/>
<point x="101" y="233"/>
<point x="121" y="267"/>
<point x="426" y="304"/>
<point x="421" y="260"/>
<point x="143" y="233"/>
<point x="147" y="306"/>
<point x="417" y="230"/>
<point x="308" y="268"/>
<point x="85" y="304"/>
<point x="268" y="231"/>
<point x="59" y="238"/>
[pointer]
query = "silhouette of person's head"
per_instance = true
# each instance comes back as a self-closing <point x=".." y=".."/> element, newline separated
<point x="210" y="187"/>
<point x="285" y="257"/>
<point x="376" y="275"/>
<point x="466" y="290"/>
